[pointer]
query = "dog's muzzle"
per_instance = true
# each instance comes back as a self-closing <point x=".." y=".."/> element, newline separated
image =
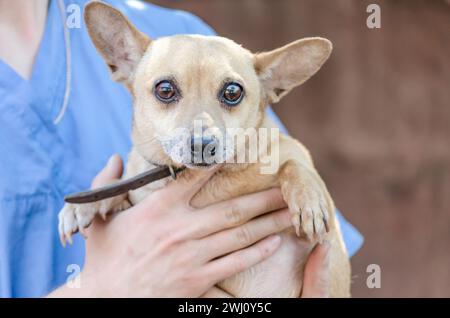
<point x="203" y="150"/>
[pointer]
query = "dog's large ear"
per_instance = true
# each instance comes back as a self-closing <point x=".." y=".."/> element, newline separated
<point x="119" y="43"/>
<point x="291" y="65"/>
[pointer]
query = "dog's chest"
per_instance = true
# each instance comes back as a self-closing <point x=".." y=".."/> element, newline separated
<point x="229" y="184"/>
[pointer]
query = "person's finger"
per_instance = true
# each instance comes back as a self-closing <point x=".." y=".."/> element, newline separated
<point x="112" y="170"/>
<point x="189" y="186"/>
<point x="193" y="186"/>
<point x="186" y="186"/>
<point x="239" y="261"/>
<point x="216" y="292"/>
<point x="234" y="212"/>
<point x="245" y="235"/>
<point x="316" y="281"/>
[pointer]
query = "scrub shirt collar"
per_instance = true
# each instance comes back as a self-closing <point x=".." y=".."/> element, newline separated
<point x="46" y="87"/>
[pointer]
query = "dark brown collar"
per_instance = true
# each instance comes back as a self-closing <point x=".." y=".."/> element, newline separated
<point x="124" y="186"/>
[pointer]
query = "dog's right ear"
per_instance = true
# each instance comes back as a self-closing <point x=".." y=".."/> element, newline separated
<point x="119" y="43"/>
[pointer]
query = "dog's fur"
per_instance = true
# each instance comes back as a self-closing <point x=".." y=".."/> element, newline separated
<point x="200" y="65"/>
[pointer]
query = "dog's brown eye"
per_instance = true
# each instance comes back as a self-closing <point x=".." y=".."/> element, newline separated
<point x="165" y="91"/>
<point x="232" y="94"/>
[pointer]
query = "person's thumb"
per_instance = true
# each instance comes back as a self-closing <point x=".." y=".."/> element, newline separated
<point x="112" y="170"/>
<point x="316" y="281"/>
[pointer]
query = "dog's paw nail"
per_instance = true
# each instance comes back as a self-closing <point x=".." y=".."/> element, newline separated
<point x="325" y="219"/>
<point x="69" y="238"/>
<point x="325" y="222"/>
<point x="296" y="223"/>
<point x="82" y="231"/>
<point x="62" y="239"/>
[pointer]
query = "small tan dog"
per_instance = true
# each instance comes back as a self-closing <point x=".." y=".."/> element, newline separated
<point x="180" y="79"/>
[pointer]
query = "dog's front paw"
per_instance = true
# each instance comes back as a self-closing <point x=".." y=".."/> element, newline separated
<point x="307" y="200"/>
<point x="309" y="212"/>
<point x="74" y="218"/>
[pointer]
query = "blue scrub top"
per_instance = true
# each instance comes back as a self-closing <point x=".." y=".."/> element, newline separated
<point x="40" y="162"/>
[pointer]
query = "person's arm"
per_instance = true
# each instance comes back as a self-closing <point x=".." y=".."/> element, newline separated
<point x="162" y="247"/>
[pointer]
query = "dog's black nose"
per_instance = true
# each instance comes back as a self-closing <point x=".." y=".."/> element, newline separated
<point x="203" y="148"/>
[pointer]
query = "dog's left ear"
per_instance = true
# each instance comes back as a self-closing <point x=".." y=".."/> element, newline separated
<point x="291" y="65"/>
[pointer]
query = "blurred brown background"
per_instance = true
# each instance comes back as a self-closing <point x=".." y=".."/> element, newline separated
<point x="376" y="119"/>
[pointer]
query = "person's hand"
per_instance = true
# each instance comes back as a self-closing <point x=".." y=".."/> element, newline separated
<point x="163" y="247"/>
